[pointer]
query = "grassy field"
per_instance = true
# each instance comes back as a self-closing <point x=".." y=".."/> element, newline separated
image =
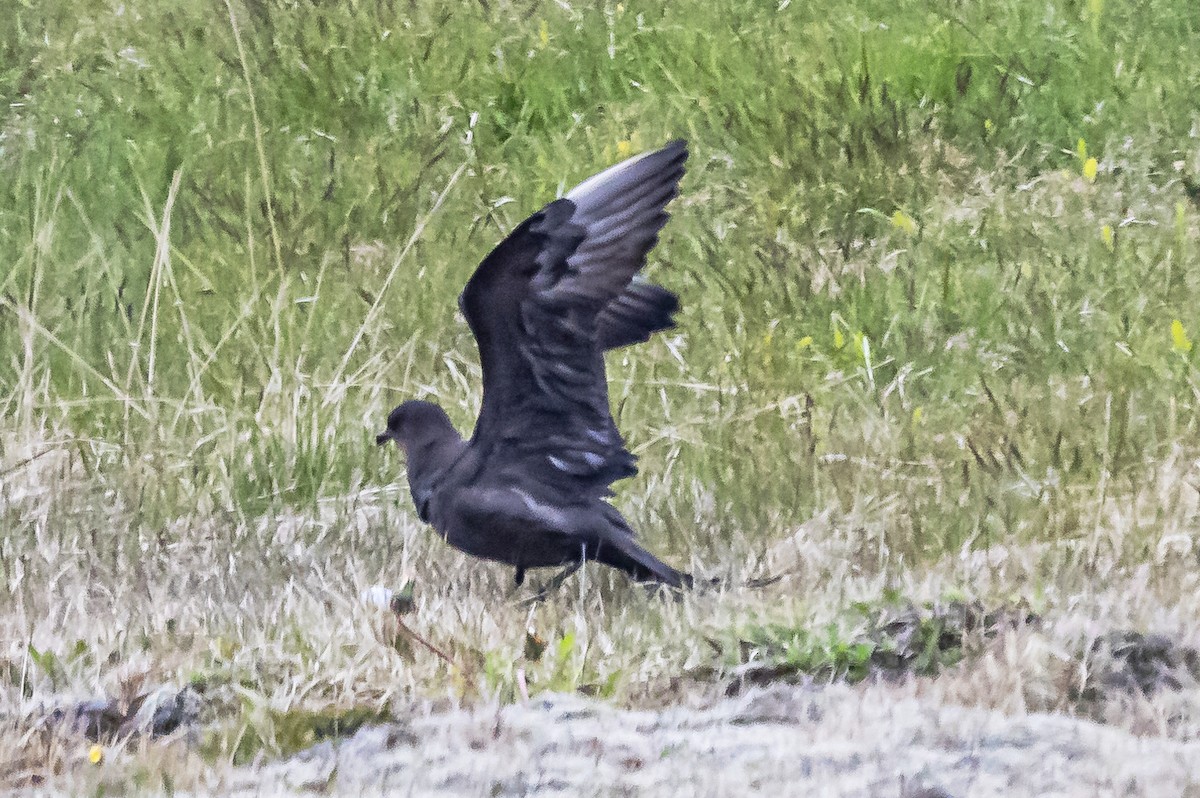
<point x="940" y="270"/>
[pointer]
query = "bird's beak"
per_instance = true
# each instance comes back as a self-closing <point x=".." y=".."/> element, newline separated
<point x="383" y="438"/>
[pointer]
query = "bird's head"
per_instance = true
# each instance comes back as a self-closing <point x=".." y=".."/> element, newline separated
<point x="415" y="424"/>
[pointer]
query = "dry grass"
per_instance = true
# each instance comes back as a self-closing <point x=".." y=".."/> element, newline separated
<point x="265" y="617"/>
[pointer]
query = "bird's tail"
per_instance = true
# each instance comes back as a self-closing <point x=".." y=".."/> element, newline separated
<point x="640" y="564"/>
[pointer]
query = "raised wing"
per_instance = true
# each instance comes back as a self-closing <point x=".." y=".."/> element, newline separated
<point x="545" y="304"/>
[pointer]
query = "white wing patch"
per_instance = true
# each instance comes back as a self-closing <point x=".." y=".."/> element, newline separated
<point x="580" y="193"/>
<point x="543" y="512"/>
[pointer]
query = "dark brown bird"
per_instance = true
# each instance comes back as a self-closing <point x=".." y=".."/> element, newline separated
<point x="529" y="488"/>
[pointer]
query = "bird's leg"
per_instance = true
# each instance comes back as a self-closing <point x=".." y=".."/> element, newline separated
<point x="519" y="576"/>
<point x="555" y="583"/>
<point x="562" y="576"/>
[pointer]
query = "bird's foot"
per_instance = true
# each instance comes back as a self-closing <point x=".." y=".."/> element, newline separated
<point x="554" y="584"/>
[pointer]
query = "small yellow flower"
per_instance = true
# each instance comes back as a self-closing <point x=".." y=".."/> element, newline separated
<point x="903" y="222"/>
<point x="1179" y="338"/>
<point x="918" y="414"/>
<point x="95" y="755"/>
<point x="804" y="343"/>
<point x="544" y="33"/>
<point x="862" y="347"/>
<point x="988" y="126"/>
<point x="1089" y="170"/>
<point x="1081" y="150"/>
<point x="624" y="148"/>
<point x="839" y="340"/>
<point x="1106" y="235"/>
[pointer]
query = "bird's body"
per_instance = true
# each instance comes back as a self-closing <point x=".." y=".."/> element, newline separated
<point x="529" y="487"/>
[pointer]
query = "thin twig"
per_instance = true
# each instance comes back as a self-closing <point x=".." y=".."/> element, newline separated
<point x="437" y="651"/>
<point x="22" y="463"/>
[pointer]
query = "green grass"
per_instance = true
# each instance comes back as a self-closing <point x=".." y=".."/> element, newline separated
<point x="233" y="236"/>
<point x="886" y="639"/>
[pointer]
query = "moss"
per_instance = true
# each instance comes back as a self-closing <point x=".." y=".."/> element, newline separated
<point x="890" y="638"/>
<point x="282" y="733"/>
